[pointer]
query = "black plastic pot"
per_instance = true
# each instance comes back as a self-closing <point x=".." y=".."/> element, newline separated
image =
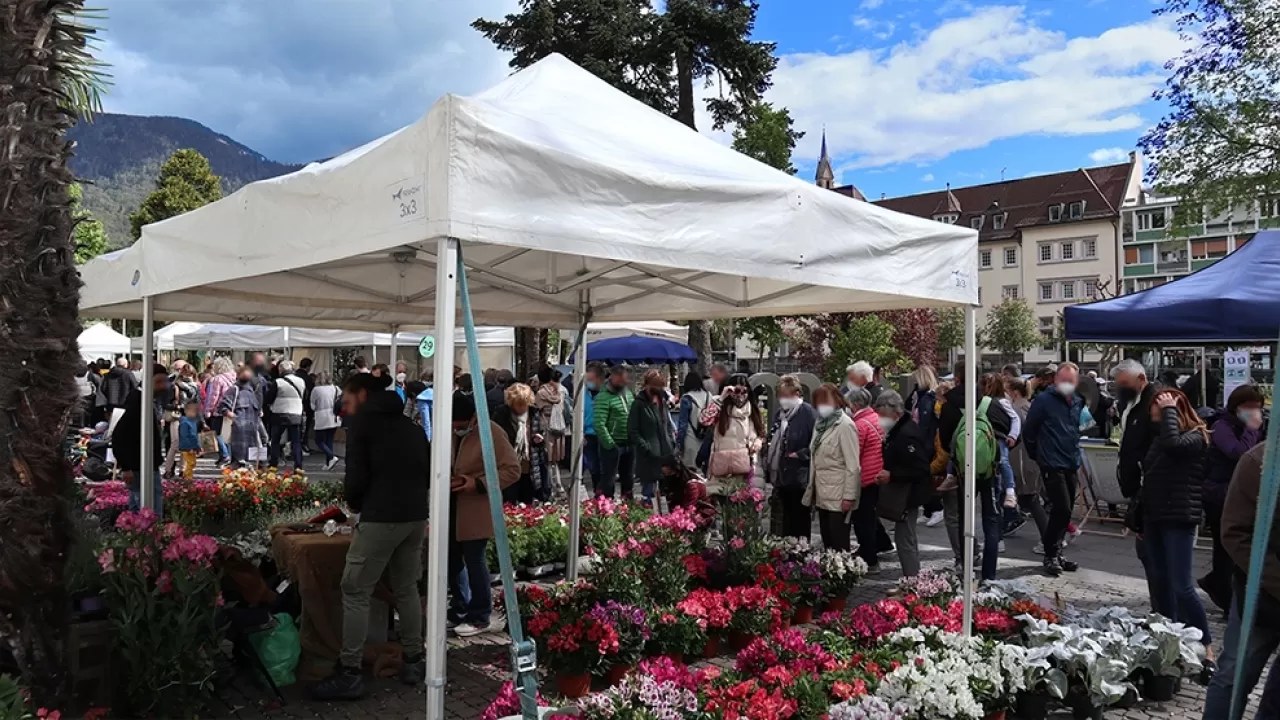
<point x="1031" y="706"/>
<point x="1128" y="700"/>
<point x="1160" y="688"/>
<point x="1082" y="707"/>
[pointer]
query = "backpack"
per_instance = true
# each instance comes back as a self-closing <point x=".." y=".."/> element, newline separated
<point x="985" y="451"/>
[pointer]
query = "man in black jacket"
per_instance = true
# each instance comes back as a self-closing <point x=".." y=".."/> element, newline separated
<point x="126" y="442"/>
<point x="388" y="483"/>
<point x="1134" y="394"/>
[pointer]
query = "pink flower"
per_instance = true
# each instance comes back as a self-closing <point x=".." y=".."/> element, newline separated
<point x="164" y="583"/>
<point x="737" y="543"/>
<point x="107" y="560"/>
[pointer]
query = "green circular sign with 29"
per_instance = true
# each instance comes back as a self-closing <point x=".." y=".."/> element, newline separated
<point x="427" y="347"/>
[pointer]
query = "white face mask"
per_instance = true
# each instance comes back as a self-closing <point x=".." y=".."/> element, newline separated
<point x="789" y="403"/>
<point x="400" y="378"/>
<point x="887" y="423"/>
<point x="1066" y="389"/>
<point x="826" y="410"/>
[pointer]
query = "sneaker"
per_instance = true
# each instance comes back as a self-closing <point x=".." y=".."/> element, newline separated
<point x="1013" y="526"/>
<point x="1001" y="546"/>
<point x="873" y="569"/>
<point x="466" y="629"/>
<point x="935" y="519"/>
<point x="1074" y="532"/>
<point x="329" y="465"/>
<point x="414" y="670"/>
<point x="1068" y="565"/>
<point x="948" y="483"/>
<point x="1038" y="549"/>
<point x="345" y="684"/>
<point x="1052" y="567"/>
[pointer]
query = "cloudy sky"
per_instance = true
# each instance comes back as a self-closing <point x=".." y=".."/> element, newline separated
<point x="913" y="93"/>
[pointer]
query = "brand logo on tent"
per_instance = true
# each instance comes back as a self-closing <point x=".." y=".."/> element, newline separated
<point x="406" y="199"/>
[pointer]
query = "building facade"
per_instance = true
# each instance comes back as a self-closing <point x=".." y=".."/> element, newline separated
<point x="1153" y="252"/>
<point x="1053" y="240"/>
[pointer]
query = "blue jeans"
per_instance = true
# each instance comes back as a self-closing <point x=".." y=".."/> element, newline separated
<point x="324" y="441"/>
<point x="215" y="424"/>
<point x="1263" y="642"/>
<point x="1005" y="469"/>
<point x="278" y="430"/>
<point x="1169" y="548"/>
<point x="615" y="469"/>
<point x="469" y="583"/>
<point x="992" y="527"/>
<point x="135" y="496"/>
<point x="590" y="454"/>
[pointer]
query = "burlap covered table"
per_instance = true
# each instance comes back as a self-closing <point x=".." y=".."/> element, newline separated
<point x="314" y="563"/>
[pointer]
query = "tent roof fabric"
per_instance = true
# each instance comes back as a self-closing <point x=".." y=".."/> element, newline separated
<point x="261" y="337"/>
<point x="99" y="339"/>
<point x="561" y="190"/>
<point x="1235" y="300"/>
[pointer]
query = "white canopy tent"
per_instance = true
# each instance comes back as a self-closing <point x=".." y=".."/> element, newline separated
<point x="648" y="328"/>
<point x="100" y="341"/>
<point x="250" y="337"/>
<point x="164" y="337"/>
<point x="570" y="201"/>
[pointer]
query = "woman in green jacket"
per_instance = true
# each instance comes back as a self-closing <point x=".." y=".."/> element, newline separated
<point x="649" y="428"/>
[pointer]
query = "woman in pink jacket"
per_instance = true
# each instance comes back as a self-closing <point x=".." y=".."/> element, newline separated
<point x="866" y="523"/>
<point x="223" y="379"/>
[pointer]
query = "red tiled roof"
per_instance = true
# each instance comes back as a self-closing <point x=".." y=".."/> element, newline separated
<point x="1026" y="200"/>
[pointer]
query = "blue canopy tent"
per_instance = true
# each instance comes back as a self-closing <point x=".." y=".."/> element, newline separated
<point x="636" y="349"/>
<point x="1235" y="300"/>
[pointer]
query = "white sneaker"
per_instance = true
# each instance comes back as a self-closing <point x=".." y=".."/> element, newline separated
<point x="496" y="624"/>
<point x="331" y="463"/>
<point x="1038" y="549"/>
<point x="935" y="519"/>
<point x="1001" y="546"/>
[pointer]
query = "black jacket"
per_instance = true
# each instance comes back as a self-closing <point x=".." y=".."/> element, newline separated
<point x="1173" y="473"/>
<point x="1136" y="440"/>
<point x="953" y="414"/>
<point x="126" y="440"/>
<point x="649" y="431"/>
<point x="793" y="472"/>
<point x="906" y="457"/>
<point x="388" y="463"/>
<point x="117" y="385"/>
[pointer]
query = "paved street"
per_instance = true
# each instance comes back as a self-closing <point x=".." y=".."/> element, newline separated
<point x="1110" y="575"/>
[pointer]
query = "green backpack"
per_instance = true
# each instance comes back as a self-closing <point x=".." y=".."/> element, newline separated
<point x="985" y="452"/>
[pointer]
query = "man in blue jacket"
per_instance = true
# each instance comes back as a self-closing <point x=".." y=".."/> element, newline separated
<point x="1052" y="434"/>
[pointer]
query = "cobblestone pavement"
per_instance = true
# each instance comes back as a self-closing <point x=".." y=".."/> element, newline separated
<point x="1109" y="574"/>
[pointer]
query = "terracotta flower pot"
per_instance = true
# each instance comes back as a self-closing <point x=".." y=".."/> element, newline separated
<point x="573" y="685"/>
<point x="997" y="715"/>
<point x="803" y="615"/>
<point x="836" y="604"/>
<point x="616" y="674"/>
<point x="738" y="641"/>
<point x="712" y="648"/>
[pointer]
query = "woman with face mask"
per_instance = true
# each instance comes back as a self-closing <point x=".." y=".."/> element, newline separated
<point x="835" y="471"/>
<point x="649" y="430"/>
<point x="906" y="481"/>
<point x="787" y="457"/>
<point x="241" y="407"/>
<point x="1233" y="434"/>
<point x="523" y="426"/>
<point x="866" y="523"/>
<point x="738" y="434"/>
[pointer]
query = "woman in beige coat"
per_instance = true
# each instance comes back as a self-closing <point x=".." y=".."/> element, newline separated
<point x="835" y="481"/>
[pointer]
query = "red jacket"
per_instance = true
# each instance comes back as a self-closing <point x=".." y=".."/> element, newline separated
<point x="870" y="455"/>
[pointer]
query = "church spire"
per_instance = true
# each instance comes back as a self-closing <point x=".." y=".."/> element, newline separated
<point x="825" y="177"/>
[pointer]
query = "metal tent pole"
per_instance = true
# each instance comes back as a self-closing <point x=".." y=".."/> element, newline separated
<point x="579" y="434"/>
<point x="146" y="483"/>
<point x="441" y="421"/>
<point x="395" y="329"/>
<point x="970" y="447"/>
<point x="1205" y="400"/>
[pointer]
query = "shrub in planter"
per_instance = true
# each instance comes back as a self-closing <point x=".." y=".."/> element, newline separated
<point x="631" y="625"/>
<point x="674" y="634"/>
<point x="756" y="611"/>
<point x="162" y="592"/>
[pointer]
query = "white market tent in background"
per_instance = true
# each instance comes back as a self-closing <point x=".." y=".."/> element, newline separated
<point x="569" y="202"/>
<point x="164" y="337"/>
<point x="651" y="328"/>
<point x="100" y="341"/>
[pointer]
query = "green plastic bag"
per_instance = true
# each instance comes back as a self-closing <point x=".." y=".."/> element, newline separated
<point x="280" y="647"/>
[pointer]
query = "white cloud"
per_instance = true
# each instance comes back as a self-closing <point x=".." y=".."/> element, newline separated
<point x="1102" y="156"/>
<point x="993" y="74"/>
<point x="870" y="4"/>
<point x="928" y="177"/>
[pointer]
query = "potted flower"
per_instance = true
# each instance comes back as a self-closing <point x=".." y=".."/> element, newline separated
<point x="1041" y="682"/>
<point x="659" y="689"/>
<point x="1171" y="651"/>
<point x="632" y="628"/>
<point x="841" y="571"/>
<point x="711" y="612"/>
<point x="756" y="611"/>
<point x="674" y="634"/>
<point x="806" y="577"/>
<point x="867" y="707"/>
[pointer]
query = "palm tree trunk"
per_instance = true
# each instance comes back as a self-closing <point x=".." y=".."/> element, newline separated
<point x="39" y="298"/>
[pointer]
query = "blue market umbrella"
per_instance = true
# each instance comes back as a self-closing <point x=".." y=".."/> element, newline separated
<point x="636" y="349"/>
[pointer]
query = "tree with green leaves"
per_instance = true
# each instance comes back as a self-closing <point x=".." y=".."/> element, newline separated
<point x="767" y="134"/>
<point x="1011" y="327"/>
<point x="186" y="182"/>
<point x="870" y="338"/>
<point x="1219" y="144"/>
<point x="632" y="46"/>
<point x="764" y="333"/>
<point x="50" y="80"/>
<point x="90" y="235"/>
